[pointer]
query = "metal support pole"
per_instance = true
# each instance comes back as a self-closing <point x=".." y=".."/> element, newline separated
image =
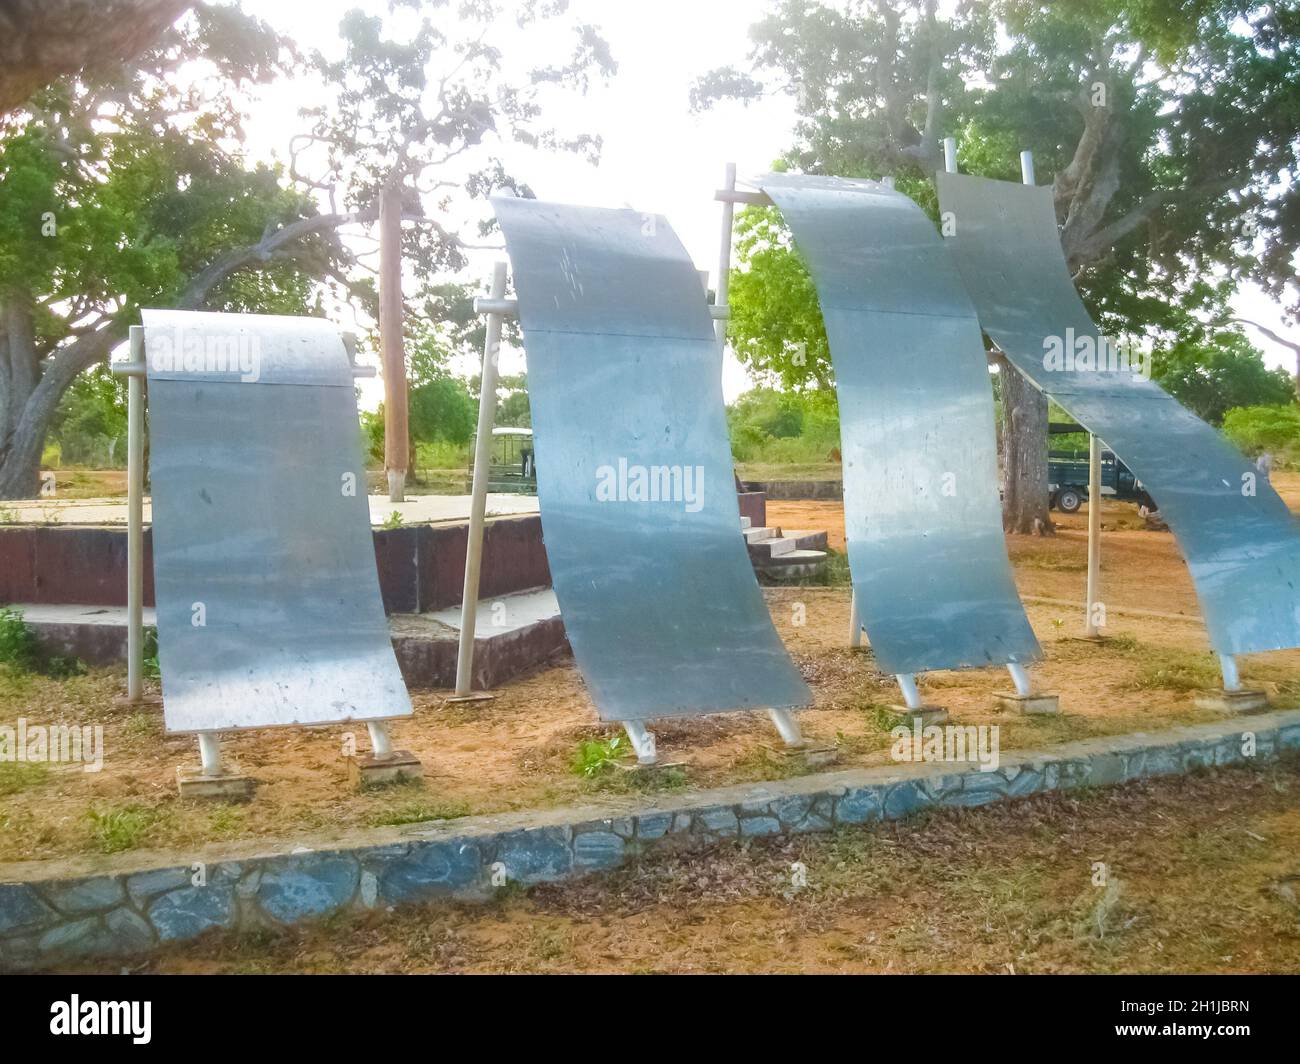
<point x="855" y="621"/>
<point x="134" y="371"/>
<point x="788" y="726"/>
<point x="487" y="402"/>
<point x="1091" y="628"/>
<point x="950" y="154"/>
<point x="723" y="286"/>
<point x="1027" y="167"/>
<point x="210" y="753"/>
<point x="380" y="744"/>
<point x="1020" y="678"/>
<point x="643" y="741"/>
<point x="1231" y="679"/>
<point x="911" y="696"/>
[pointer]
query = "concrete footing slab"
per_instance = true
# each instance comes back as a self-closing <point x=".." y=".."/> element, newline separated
<point x="928" y="714"/>
<point x="1243" y="700"/>
<point x="125" y="904"/>
<point x="231" y="786"/>
<point x="369" y="771"/>
<point x="1035" y="705"/>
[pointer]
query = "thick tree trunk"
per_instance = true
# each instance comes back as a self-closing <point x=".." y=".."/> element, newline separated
<point x="1024" y="493"/>
<point x="30" y="393"/>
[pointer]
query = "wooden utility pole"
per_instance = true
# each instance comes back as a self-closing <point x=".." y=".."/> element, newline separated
<point x="396" y="430"/>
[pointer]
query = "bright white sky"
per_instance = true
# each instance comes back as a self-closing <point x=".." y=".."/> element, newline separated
<point x="657" y="155"/>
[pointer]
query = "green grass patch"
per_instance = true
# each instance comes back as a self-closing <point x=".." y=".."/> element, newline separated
<point x="418" y="813"/>
<point x="18" y="776"/>
<point x="123" y="828"/>
<point x="596" y="757"/>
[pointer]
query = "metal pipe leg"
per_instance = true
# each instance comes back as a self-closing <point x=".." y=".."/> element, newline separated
<point x="855" y="621"/>
<point x="1020" y="678"/>
<point x="210" y="753"/>
<point x="788" y="725"/>
<point x="380" y="744"/>
<point x="911" y="696"/>
<point x="643" y="741"/>
<point x="1231" y="678"/>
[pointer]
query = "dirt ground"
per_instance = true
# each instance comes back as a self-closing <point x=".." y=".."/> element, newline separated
<point x="1201" y="874"/>
<point x="518" y="750"/>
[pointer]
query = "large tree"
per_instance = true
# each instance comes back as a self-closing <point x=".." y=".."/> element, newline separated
<point x="127" y="187"/>
<point x="1169" y="133"/>
<point x="44" y="40"/>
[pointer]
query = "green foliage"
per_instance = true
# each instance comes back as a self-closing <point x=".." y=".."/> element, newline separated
<point x="89" y="428"/>
<point x="122" y="828"/>
<point x="1212" y="373"/>
<point x="19" y="648"/>
<point x="785" y="427"/>
<point x="597" y="756"/>
<point x="1275" y="429"/>
<point x="18" y="776"/>
<point x="393" y="520"/>
<point x="418" y="813"/>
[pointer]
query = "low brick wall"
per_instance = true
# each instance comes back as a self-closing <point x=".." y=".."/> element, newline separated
<point x="53" y="911"/>
<point x="791" y="490"/>
<point x="421" y="567"/>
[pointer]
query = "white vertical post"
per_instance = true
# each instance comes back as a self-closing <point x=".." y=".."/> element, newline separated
<point x="1231" y="679"/>
<point x="723" y="286"/>
<point x="210" y="753"/>
<point x="855" y="620"/>
<point x="643" y="741"/>
<point x="787" y="726"/>
<point x="907" y="684"/>
<point x="1094" y="532"/>
<point x="487" y="401"/>
<point x="135" y="519"/>
<point x="950" y="154"/>
<point x="1027" y="167"/>
<point x="1020" y="678"/>
<point x="380" y="744"/>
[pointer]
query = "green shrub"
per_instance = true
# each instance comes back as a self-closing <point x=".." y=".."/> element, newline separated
<point x="1275" y="429"/>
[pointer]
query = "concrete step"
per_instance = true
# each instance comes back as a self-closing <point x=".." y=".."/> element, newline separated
<point x="745" y="522"/>
<point x="771" y="548"/>
<point x="512" y="633"/>
<point x="756" y="535"/>
<point x="792" y="565"/>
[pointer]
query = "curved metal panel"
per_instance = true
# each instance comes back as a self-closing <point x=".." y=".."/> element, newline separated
<point x="924" y="529"/>
<point x="634" y="469"/>
<point x="269" y="610"/>
<point x="1238" y="537"/>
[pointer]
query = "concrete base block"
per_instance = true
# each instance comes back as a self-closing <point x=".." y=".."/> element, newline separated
<point x="1035" y="705"/>
<point x="646" y="769"/>
<point x="143" y="702"/>
<point x="227" y="787"/>
<point x="473" y="696"/>
<point x="1243" y="700"/>
<point x="929" y="714"/>
<point x="366" y="772"/>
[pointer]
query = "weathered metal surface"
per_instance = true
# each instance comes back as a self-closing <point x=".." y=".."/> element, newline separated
<point x="634" y="466"/>
<point x="264" y="567"/>
<point x="1238" y="537"/>
<point x="922" y="520"/>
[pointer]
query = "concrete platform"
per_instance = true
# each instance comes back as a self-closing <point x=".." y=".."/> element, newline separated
<point x="513" y="633"/>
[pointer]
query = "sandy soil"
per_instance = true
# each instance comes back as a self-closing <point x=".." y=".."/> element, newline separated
<point x="517" y="751"/>
<point x="1201" y="875"/>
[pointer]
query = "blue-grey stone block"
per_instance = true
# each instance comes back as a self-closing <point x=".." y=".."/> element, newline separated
<point x="146" y="885"/>
<point x="597" y="849"/>
<point x="791" y="810"/>
<point x="970" y="799"/>
<point x="759" y="825"/>
<point x="1025" y="782"/>
<point x="1162" y="761"/>
<point x="535" y="856"/>
<point x="1105" y="769"/>
<point x="75" y="936"/>
<point x="128" y="931"/>
<point x="431" y="870"/>
<point x="983" y="781"/>
<point x="77" y="896"/>
<point x="653" y="825"/>
<point x="859" y="806"/>
<point x="904" y="798"/>
<point x="1197" y="755"/>
<point x="190" y="911"/>
<point x="718" y="820"/>
<point x="22" y="910"/>
<point x="1288" y="738"/>
<point x="307" y="885"/>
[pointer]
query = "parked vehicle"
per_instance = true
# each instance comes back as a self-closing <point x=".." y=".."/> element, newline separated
<point x="1067" y="480"/>
<point x="511" y="467"/>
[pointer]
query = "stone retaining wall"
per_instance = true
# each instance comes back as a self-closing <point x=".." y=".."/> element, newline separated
<point x="53" y="911"/>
